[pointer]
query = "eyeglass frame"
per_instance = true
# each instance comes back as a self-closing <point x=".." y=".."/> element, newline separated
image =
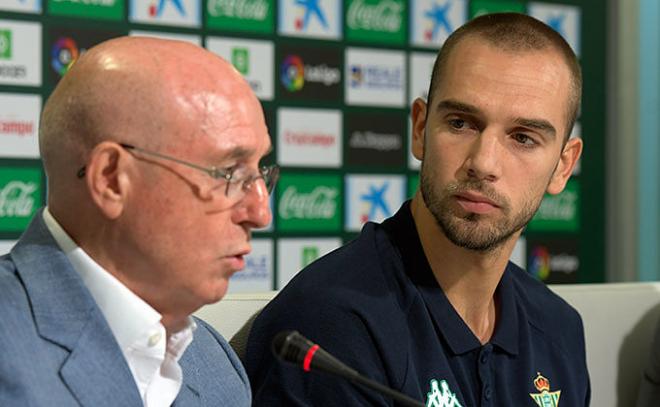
<point x="272" y="170"/>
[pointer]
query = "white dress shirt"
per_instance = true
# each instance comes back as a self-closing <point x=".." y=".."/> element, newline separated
<point x="151" y="355"/>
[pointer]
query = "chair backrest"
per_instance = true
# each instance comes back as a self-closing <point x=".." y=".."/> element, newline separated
<point x="619" y="321"/>
<point x="230" y="314"/>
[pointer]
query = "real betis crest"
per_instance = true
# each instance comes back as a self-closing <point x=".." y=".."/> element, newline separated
<point x="545" y="398"/>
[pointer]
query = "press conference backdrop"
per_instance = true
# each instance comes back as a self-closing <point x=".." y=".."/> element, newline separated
<point x="336" y="79"/>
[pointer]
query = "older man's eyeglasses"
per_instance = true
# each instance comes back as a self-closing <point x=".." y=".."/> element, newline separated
<point x="238" y="180"/>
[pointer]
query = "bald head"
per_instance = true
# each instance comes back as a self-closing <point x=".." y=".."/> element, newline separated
<point x="139" y="91"/>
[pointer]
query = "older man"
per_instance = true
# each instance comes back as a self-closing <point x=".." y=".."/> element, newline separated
<point x="427" y="302"/>
<point x="152" y="152"/>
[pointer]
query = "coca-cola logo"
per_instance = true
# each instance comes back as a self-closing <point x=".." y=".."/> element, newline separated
<point x="561" y="207"/>
<point x="16" y="199"/>
<point x="241" y="9"/>
<point x="385" y="16"/>
<point x="320" y="203"/>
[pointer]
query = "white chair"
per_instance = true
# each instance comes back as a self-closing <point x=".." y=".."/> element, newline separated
<point x="619" y="321"/>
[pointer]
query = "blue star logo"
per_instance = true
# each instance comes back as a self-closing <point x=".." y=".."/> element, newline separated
<point x="312" y="7"/>
<point x="438" y="16"/>
<point x="158" y="10"/>
<point x="557" y="23"/>
<point x="376" y="197"/>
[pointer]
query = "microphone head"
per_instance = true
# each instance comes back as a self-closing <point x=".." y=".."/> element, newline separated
<point x="290" y="346"/>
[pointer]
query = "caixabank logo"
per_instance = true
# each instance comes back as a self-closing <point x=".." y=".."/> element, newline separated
<point x="564" y="19"/>
<point x="375" y="77"/>
<point x="255" y="16"/>
<point x="20" y="196"/>
<point x="310" y="18"/>
<point x="252" y="58"/>
<point x="294" y="254"/>
<point x="372" y="198"/>
<point x="307" y="73"/>
<point x="23" y="6"/>
<point x="20" y="53"/>
<point x="67" y="45"/>
<point x="553" y="260"/>
<point x="185" y="13"/>
<point x="101" y="9"/>
<point x="309" y="137"/>
<point x="309" y="202"/>
<point x="432" y="21"/>
<point x="374" y="21"/>
<point x="19" y="125"/>
<point x="258" y="272"/>
<point x="375" y="140"/>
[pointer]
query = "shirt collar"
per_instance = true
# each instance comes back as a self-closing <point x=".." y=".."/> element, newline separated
<point x="449" y="324"/>
<point x="114" y="299"/>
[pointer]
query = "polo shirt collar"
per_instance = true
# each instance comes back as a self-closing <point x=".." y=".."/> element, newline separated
<point x="449" y="324"/>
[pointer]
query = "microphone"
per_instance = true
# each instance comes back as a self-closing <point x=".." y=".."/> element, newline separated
<point x="292" y="347"/>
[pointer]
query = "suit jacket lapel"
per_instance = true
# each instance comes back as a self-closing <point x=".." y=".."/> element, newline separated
<point x="189" y="394"/>
<point x="66" y="314"/>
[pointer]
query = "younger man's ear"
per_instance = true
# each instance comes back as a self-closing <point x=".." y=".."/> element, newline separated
<point x="418" y="116"/>
<point x="567" y="160"/>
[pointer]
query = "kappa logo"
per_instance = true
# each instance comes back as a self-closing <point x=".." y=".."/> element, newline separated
<point x="545" y="398"/>
<point x="311" y="8"/>
<point x="441" y="396"/>
<point x="157" y="10"/>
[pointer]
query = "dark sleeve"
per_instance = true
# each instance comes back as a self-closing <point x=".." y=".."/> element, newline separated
<point x="587" y="397"/>
<point x="336" y="328"/>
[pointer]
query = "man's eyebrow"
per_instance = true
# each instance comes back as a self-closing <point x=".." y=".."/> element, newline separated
<point x="455" y="105"/>
<point x="540" y="125"/>
<point x="240" y="153"/>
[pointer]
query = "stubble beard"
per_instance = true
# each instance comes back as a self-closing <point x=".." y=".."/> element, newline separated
<point x="473" y="231"/>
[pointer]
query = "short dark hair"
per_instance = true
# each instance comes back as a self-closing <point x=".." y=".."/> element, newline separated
<point x="514" y="32"/>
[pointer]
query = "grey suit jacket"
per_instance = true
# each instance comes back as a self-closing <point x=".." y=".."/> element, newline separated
<point x="56" y="348"/>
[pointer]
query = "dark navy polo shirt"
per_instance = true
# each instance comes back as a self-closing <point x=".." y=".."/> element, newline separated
<point x="375" y="305"/>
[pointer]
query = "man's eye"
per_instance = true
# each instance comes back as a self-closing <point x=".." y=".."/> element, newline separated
<point x="458" y="124"/>
<point x="524" y="139"/>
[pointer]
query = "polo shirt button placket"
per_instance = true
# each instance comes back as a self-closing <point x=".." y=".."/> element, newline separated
<point x="485" y="375"/>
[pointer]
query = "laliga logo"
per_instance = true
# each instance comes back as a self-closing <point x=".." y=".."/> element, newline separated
<point x="63" y="55"/>
<point x="540" y="266"/>
<point x="292" y="73"/>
